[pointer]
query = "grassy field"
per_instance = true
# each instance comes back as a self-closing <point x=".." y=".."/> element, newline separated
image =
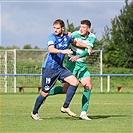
<point x="110" y="113"/>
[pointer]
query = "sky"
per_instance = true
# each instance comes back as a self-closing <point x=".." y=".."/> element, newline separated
<point x="31" y="22"/>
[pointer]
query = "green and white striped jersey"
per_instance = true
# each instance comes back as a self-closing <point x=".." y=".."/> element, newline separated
<point x="90" y="40"/>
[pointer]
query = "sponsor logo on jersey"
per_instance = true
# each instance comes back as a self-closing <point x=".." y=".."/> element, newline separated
<point x="62" y="45"/>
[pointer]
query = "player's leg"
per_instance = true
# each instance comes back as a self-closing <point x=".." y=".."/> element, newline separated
<point x="65" y="88"/>
<point x="56" y="90"/>
<point x="40" y="99"/>
<point x="62" y="89"/>
<point x="71" y="89"/>
<point x="59" y="89"/>
<point x="71" y="81"/>
<point x="70" y="92"/>
<point x="86" y="82"/>
<point x="47" y="84"/>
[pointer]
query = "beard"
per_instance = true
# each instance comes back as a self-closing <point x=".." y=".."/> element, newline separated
<point x="58" y="34"/>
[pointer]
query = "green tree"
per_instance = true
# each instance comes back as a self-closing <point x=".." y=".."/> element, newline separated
<point x="13" y="47"/>
<point x="1" y="47"/>
<point x="9" y="47"/>
<point x="71" y="27"/>
<point x="27" y="46"/>
<point x="36" y="47"/>
<point x="118" y="40"/>
<point x="98" y="45"/>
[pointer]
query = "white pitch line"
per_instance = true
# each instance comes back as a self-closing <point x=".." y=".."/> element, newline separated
<point x="57" y="103"/>
<point x="114" y="103"/>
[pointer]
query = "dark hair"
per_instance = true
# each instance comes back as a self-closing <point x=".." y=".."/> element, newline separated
<point x="87" y="22"/>
<point x="59" y="21"/>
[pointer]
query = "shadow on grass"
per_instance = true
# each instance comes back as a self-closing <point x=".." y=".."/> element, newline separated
<point x="106" y="116"/>
<point x="92" y="117"/>
<point x="61" y="118"/>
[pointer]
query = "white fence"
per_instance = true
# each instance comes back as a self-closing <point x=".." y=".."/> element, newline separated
<point x="112" y="75"/>
<point x="93" y="75"/>
<point x="23" y="68"/>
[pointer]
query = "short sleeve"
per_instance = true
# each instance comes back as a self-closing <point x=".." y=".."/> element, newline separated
<point x="75" y="34"/>
<point x="51" y="40"/>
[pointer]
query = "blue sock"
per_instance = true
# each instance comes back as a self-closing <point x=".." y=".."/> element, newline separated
<point x="69" y="95"/>
<point x="38" y="103"/>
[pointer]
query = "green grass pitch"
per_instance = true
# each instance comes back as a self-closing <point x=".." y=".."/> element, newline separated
<point x="110" y="113"/>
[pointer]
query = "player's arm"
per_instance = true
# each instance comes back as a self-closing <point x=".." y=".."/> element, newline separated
<point x="69" y="34"/>
<point x="86" y="51"/>
<point x="54" y="50"/>
<point x="89" y="50"/>
<point x="80" y="44"/>
<point x="77" y="42"/>
<point x="83" y="54"/>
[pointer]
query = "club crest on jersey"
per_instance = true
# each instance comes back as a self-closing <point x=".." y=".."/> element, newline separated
<point x="65" y="39"/>
<point x="48" y="80"/>
<point x="47" y="88"/>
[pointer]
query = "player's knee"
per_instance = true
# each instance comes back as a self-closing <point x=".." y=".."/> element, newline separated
<point x="88" y="86"/>
<point x="64" y="91"/>
<point x="75" y="82"/>
<point x="44" y="94"/>
<point x="72" y="80"/>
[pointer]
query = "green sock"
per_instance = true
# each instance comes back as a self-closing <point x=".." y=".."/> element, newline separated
<point x="85" y="99"/>
<point x="56" y="90"/>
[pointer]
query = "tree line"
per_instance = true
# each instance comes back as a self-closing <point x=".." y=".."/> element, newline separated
<point x="116" y="42"/>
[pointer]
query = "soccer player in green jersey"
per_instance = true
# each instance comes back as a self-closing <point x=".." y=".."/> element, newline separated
<point x="76" y="63"/>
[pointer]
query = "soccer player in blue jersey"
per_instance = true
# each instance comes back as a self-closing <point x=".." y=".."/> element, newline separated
<point x="53" y="70"/>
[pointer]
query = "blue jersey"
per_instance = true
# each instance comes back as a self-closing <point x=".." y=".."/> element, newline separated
<point x="55" y="61"/>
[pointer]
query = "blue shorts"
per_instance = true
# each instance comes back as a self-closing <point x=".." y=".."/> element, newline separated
<point x="50" y="76"/>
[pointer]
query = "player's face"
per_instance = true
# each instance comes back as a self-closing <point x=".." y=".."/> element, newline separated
<point x="58" y="30"/>
<point x="84" y="29"/>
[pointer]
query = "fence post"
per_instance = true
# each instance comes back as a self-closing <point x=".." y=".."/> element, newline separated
<point x="15" y="70"/>
<point x="101" y="79"/>
<point x="5" y="71"/>
<point x="108" y="83"/>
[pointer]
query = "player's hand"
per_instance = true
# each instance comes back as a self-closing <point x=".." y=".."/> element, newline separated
<point x="74" y="58"/>
<point x="69" y="34"/>
<point x="89" y="50"/>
